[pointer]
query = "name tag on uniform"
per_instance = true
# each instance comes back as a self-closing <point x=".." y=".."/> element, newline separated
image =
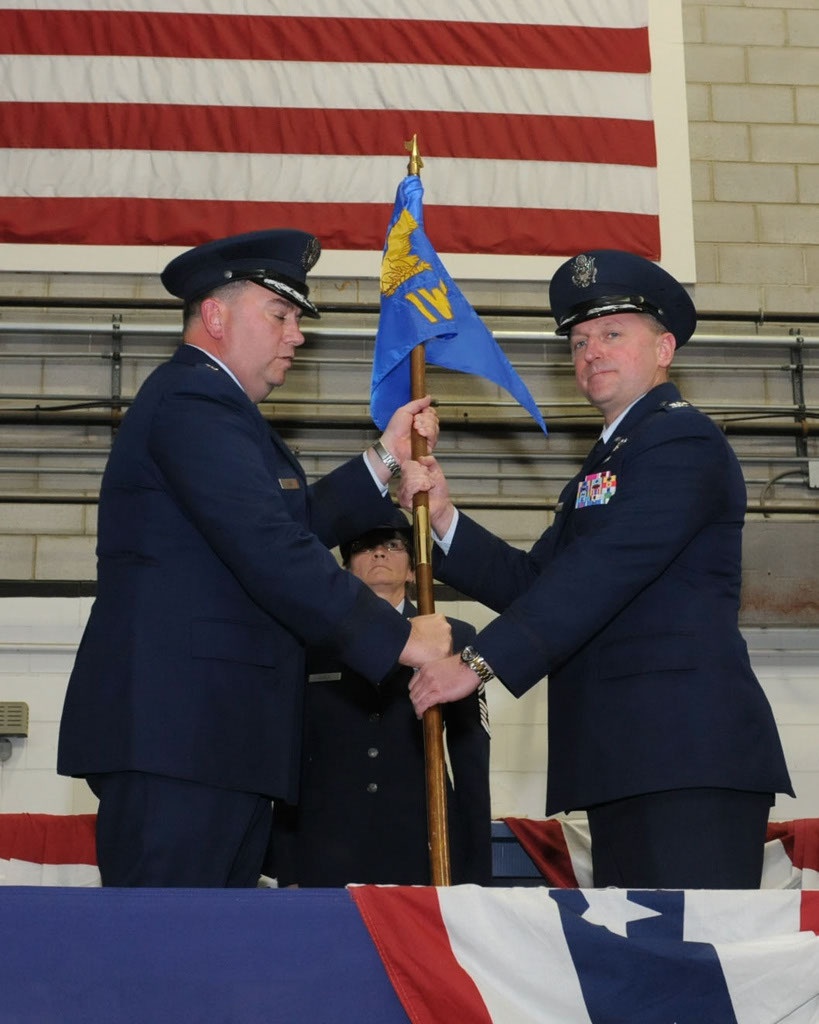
<point x="324" y="677"/>
<point x="596" y="489"/>
<point x="289" y="483"/>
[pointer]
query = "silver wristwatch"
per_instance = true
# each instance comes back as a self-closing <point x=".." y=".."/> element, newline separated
<point x="389" y="460"/>
<point x="478" y="664"/>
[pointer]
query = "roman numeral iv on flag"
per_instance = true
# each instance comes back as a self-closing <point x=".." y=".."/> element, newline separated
<point x="421" y="304"/>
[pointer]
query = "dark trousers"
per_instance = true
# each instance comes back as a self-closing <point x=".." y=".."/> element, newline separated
<point x="156" y="831"/>
<point x="680" y="839"/>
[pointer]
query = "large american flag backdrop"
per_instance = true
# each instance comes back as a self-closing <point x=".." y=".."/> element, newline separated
<point x="128" y="125"/>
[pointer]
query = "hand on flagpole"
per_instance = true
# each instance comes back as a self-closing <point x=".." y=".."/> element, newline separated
<point x="426" y="475"/>
<point x="440" y="682"/>
<point x="418" y="415"/>
<point x="430" y="639"/>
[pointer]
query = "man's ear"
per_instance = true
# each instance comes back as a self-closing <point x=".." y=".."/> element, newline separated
<point x="666" y="348"/>
<point x="210" y="312"/>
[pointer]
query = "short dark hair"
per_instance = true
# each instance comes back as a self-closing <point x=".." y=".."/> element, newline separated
<point x="192" y="309"/>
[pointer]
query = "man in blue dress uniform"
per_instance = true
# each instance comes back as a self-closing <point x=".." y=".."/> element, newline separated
<point x="658" y="727"/>
<point x="184" y="707"/>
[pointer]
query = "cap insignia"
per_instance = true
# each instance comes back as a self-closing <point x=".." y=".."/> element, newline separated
<point x="584" y="271"/>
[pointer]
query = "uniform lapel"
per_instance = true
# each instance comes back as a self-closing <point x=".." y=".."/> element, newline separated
<point x="192" y="355"/>
<point x="283" y="449"/>
<point x="602" y="451"/>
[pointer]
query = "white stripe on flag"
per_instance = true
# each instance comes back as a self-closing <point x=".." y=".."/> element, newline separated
<point x="624" y="14"/>
<point x="335" y="179"/>
<point x="299" y="84"/>
<point x="511" y="943"/>
<point x="23" y="872"/>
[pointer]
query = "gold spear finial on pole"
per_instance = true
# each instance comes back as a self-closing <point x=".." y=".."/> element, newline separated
<point x="415" y="162"/>
<point x="434" y="759"/>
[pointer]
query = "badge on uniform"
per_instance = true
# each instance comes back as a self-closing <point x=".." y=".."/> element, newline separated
<point x="596" y="489"/>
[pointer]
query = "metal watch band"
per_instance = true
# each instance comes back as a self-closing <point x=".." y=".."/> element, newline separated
<point x="478" y="664"/>
<point x="389" y="460"/>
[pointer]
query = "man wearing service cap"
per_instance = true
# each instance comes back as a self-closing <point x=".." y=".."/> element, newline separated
<point x="183" y="710"/>
<point x="629" y="603"/>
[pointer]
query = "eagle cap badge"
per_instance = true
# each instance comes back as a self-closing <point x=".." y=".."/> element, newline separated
<point x="584" y="271"/>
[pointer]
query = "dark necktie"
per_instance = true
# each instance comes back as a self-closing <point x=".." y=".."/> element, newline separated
<point x="593" y="455"/>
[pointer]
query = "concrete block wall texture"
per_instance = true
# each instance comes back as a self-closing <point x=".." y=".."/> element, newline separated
<point x="752" y="72"/>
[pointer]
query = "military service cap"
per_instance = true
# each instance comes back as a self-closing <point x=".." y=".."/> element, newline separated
<point x="377" y="535"/>
<point x="605" y="281"/>
<point x="278" y="259"/>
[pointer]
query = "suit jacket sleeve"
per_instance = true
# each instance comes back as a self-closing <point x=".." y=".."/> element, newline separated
<point x="334" y="518"/>
<point x="554" y="599"/>
<point x="218" y="459"/>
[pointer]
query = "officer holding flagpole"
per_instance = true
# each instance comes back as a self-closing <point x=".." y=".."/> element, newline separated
<point x="184" y="706"/>
<point x="628" y="603"/>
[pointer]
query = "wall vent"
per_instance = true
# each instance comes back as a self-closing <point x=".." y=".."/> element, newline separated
<point x="13" y="718"/>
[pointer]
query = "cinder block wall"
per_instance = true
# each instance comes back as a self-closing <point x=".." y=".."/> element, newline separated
<point x="752" y="68"/>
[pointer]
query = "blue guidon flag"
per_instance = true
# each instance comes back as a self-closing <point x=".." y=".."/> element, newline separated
<point x="421" y="304"/>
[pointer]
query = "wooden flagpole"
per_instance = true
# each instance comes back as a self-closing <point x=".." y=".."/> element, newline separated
<point x="437" y="831"/>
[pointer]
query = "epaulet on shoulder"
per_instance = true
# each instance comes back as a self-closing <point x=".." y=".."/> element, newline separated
<point x="671" y="406"/>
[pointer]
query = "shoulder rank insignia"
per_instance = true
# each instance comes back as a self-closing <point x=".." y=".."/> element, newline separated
<point x="682" y="404"/>
<point x="596" y="489"/>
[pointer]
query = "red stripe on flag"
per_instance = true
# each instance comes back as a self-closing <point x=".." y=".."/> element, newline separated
<point x="331" y="132"/>
<point x="784" y="831"/>
<point x="48" y="838"/>
<point x="408" y="931"/>
<point x="809" y="915"/>
<point x="545" y="843"/>
<point x="359" y="40"/>
<point x="356" y="226"/>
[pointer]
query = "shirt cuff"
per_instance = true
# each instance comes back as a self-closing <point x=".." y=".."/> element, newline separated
<point x="445" y="542"/>
<point x="384" y="488"/>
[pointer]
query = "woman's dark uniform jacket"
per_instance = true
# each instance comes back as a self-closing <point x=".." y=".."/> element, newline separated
<point x="214" y="572"/>
<point x="629" y="603"/>
<point x="362" y="809"/>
